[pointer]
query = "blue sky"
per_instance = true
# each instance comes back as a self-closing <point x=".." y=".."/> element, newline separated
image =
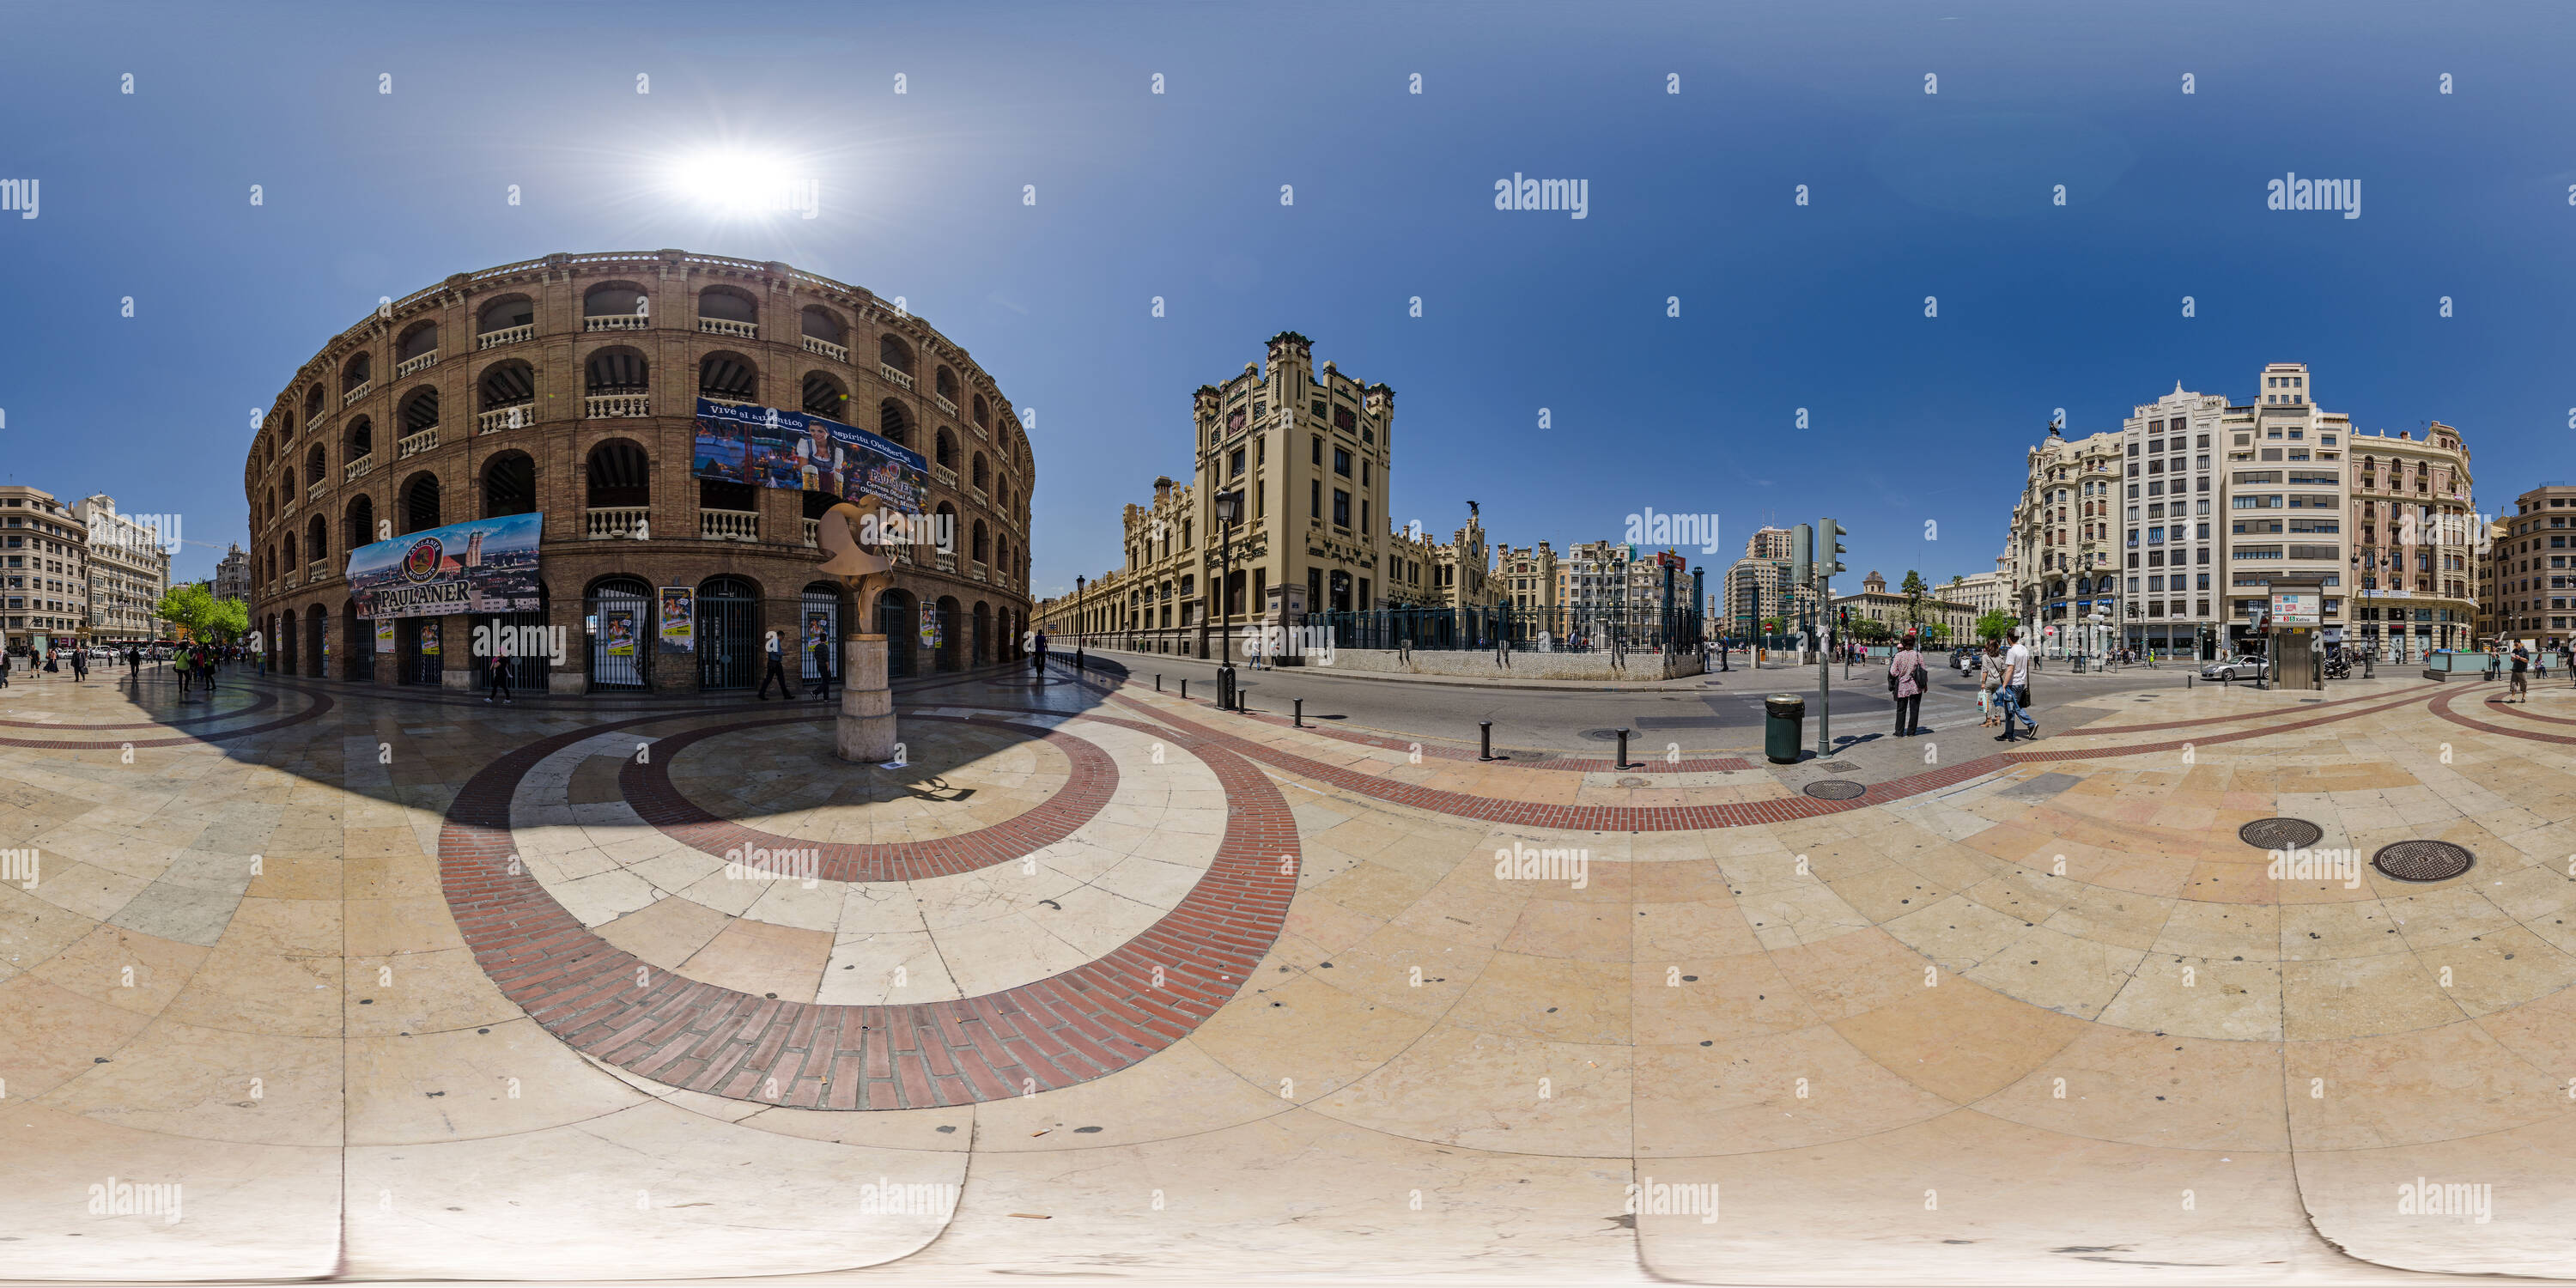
<point x="1912" y="419"/>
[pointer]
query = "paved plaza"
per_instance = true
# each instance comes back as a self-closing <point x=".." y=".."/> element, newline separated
<point x="1106" y="982"/>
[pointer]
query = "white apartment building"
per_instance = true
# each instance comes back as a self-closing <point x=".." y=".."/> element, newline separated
<point x="2287" y="497"/>
<point x="44" y="570"/>
<point x="2172" y="571"/>
<point x="128" y="569"/>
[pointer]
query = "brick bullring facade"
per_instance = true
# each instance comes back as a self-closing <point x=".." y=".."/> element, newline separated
<point x="567" y="386"/>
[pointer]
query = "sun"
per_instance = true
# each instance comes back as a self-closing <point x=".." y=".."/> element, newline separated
<point x="735" y="181"/>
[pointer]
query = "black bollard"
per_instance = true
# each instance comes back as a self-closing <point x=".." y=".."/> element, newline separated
<point x="1158" y="682"/>
<point x="1185" y="689"/>
<point x="1485" y="740"/>
<point x="1623" y="749"/>
<point x="1301" y="713"/>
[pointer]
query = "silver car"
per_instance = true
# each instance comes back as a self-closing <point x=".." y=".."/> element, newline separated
<point x="2245" y="666"/>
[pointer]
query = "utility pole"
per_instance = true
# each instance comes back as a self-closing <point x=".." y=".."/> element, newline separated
<point x="1829" y="548"/>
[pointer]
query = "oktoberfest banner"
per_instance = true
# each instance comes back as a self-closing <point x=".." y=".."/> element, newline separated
<point x="679" y="619"/>
<point x="766" y="447"/>
<point x="481" y="566"/>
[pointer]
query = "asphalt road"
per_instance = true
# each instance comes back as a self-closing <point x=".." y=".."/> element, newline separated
<point x="1701" y="713"/>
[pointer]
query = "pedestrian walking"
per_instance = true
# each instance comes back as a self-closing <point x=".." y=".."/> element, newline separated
<point x="1905" y="681"/>
<point x="1990" y="677"/>
<point x="179" y="664"/>
<point x="823" y="670"/>
<point x="496" y="683"/>
<point x="777" y="671"/>
<point x="1038" y="659"/>
<point x="2495" y="662"/>
<point x="80" y="666"/>
<point x="4" y="669"/>
<point x="206" y="668"/>
<point x="2015" y="691"/>
<point x="2521" y="675"/>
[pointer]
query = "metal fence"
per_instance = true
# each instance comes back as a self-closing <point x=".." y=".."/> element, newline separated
<point x="1520" y="630"/>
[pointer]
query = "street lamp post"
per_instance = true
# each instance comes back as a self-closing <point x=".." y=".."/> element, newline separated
<point x="1079" y="608"/>
<point x="1229" y="507"/>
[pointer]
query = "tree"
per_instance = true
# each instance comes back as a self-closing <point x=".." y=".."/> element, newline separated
<point x="188" y="606"/>
<point x="229" y="621"/>
<point x="1936" y="634"/>
<point x="1872" y="630"/>
<point x="1992" y="625"/>
<point x="1915" y="589"/>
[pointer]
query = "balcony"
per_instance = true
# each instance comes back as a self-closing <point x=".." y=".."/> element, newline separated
<point x="514" y="416"/>
<point x="827" y="349"/>
<point x="944" y="404"/>
<point x="506" y="335"/>
<point x="358" y="468"/>
<point x="415" y="364"/>
<point x="290" y="581"/>
<point x="978" y="572"/>
<point x="414" y="444"/>
<point x="349" y="397"/>
<point x="903" y="378"/>
<point x="729" y="525"/>
<point x="945" y="475"/>
<point x="615" y="406"/>
<point x="946" y="560"/>
<point x="314" y="493"/>
<point x="318" y="571"/>
<point x="603" y="523"/>
<point x="723" y="326"/>
<point x="726" y="402"/>
<point x="813" y="529"/>
<point x="617" y="322"/>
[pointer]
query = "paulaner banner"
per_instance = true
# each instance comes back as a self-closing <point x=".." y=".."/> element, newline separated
<point x="482" y="566"/>
<point x="766" y="447"/>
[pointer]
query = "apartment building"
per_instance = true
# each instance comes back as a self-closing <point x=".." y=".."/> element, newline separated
<point x="44" y="571"/>
<point x="128" y="568"/>
<point x="2532" y="566"/>
<point x="2170" y="537"/>
<point x="2287" y="498"/>
<point x="2415" y="536"/>
<point x="2064" y="542"/>
<point x="1528" y="576"/>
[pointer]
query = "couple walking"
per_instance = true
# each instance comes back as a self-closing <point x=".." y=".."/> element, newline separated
<point x="2003" y="686"/>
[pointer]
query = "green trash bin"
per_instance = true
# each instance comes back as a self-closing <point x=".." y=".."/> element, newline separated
<point x="1784" y="727"/>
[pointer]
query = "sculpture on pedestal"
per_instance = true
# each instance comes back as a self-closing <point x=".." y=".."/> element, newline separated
<point x="866" y="730"/>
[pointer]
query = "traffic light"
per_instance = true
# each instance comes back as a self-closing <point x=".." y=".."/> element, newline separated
<point x="1829" y="545"/>
<point x="1802" y="555"/>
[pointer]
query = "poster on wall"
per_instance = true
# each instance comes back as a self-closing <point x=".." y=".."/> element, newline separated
<point x="818" y="632"/>
<point x="930" y="626"/>
<point x="2294" y="608"/>
<point x="481" y="566"/>
<point x="429" y="639"/>
<point x="766" y="447"/>
<point x="679" y="619"/>
<point x="385" y="635"/>
<point x="621" y="631"/>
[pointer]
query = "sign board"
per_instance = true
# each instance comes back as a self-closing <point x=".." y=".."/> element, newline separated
<point x="679" y="620"/>
<point x="385" y="635"/>
<point x="480" y="566"/>
<point x="621" y="631"/>
<point x="766" y="447"/>
<point x="2296" y="608"/>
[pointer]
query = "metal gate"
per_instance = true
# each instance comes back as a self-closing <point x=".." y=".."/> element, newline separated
<point x="896" y="621"/>
<point x="729" y="652"/>
<point x="619" y="620"/>
<point x="525" y="637"/>
<point x="418" y="651"/>
<point x="826" y="606"/>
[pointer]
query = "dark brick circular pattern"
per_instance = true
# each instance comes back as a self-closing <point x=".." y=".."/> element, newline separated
<point x="260" y="703"/>
<point x="322" y="706"/>
<point x="1071" y="1028"/>
<point x="1094" y="778"/>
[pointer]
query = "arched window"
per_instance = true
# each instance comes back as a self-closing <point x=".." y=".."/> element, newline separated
<point x="509" y="485"/>
<point x="286" y="479"/>
<point x="313" y="403"/>
<point x="360" y="527"/>
<point x="725" y="310"/>
<point x="289" y="546"/>
<point x="317" y="539"/>
<point x="316" y="464"/>
<point x="610" y="306"/>
<point x="983" y="473"/>
<point x="356" y="374"/>
<point x="420" y="503"/>
<point x="822" y="395"/>
<point x="944" y="383"/>
<point x="419" y="411"/>
<point x="506" y="386"/>
<point x="620" y="475"/>
<point x="362" y="437"/>
<point x="983" y="546"/>
<point x="893" y="352"/>
<point x="983" y="412"/>
<point x="419" y="341"/>
<point x="501" y="317"/>
<point x="894" y="422"/>
<point x="819" y="323"/>
<point x="947" y="454"/>
<point x="614" y="371"/>
<point x="728" y="376"/>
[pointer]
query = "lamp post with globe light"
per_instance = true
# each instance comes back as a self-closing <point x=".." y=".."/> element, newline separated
<point x="1229" y="507"/>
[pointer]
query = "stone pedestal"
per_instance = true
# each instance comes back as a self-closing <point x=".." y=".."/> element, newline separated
<point x="865" y="732"/>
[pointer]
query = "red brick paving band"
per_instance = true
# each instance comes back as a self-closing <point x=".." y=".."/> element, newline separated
<point x="2442" y="707"/>
<point x="1056" y="1032"/>
<point x="322" y="706"/>
<point x="1094" y="778"/>
<point x="261" y="703"/>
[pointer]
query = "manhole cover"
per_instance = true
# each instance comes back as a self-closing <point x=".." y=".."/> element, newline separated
<point x="1835" y="789"/>
<point x="1838" y="766"/>
<point x="2279" y="833"/>
<point x="2423" y="860"/>
<point x="1600" y="735"/>
<point x="1633" y="781"/>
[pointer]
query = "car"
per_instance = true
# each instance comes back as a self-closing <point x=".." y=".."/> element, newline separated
<point x="2242" y="666"/>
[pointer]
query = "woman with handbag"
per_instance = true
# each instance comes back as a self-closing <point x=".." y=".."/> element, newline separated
<point x="1905" y="681"/>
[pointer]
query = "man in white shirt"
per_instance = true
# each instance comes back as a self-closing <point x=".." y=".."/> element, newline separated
<point x="2016" y="686"/>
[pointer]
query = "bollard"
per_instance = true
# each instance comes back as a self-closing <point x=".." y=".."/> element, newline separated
<point x="1300" y="719"/>
<point x="1158" y="682"/>
<point x="1185" y="689"/>
<point x="1485" y="740"/>
<point x="1623" y="749"/>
